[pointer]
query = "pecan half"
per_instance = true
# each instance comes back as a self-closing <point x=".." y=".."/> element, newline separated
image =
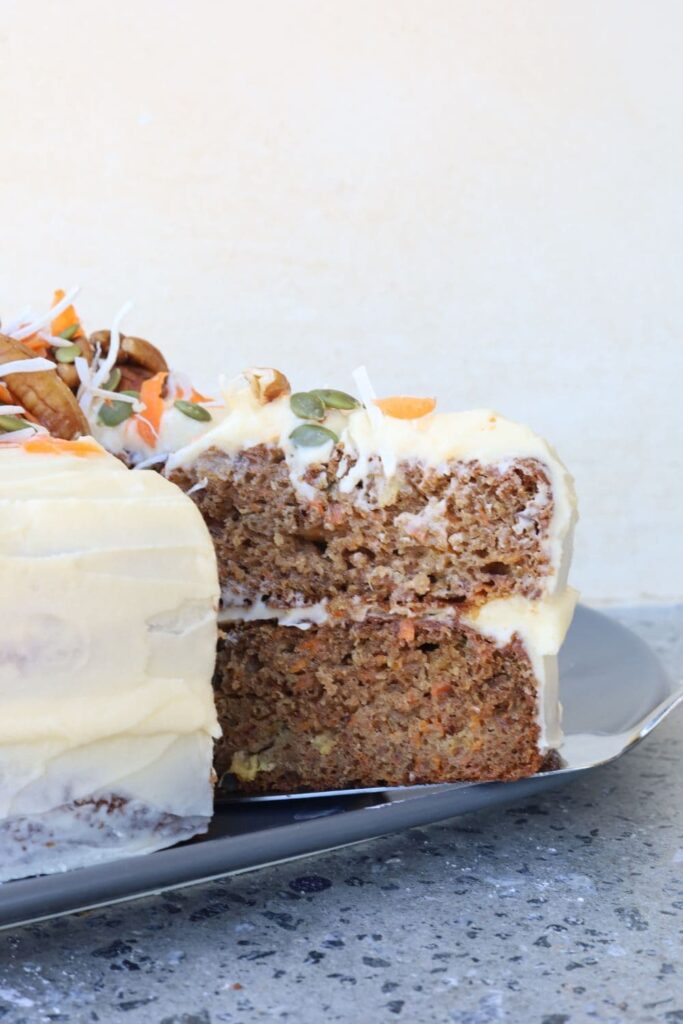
<point x="133" y="350"/>
<point x="267" y="384"/>
<point x="43" y="394"/>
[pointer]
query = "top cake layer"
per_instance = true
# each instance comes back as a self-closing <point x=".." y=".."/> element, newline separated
<point x="486" y="498"/>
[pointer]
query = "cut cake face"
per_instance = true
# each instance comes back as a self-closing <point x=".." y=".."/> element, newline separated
<point x="393" y="591"/>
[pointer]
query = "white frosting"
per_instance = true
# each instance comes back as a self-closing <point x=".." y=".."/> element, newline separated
<point x="108" y="610"/>
<point x="541" y="626"/>
<point x="299" y="616"/>
<point x="175" y="431"/>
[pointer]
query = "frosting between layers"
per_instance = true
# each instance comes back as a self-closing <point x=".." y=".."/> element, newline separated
<point x="541" y="626"/>
<point x="107" y="649"/>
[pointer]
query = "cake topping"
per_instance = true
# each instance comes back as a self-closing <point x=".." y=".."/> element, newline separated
<point x="39" y="390"/>
<point x="312" y="435"/>
<point x="10" y="423"/>
<point x="45" y="445"/>
<point x="307" y="406"/>
<point x="333" y="399"/>
<point x="151" y="396"/>
<point x="114" y="412"/>
<point x="194" y="411"/>
<point x="267" y="384"/>
<point x="406" y="407"/>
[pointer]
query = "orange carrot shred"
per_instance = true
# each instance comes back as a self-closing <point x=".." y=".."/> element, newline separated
<point x="5" y="396"/>
<point x="196" y="397"/>
<point x="405" y="407"/>
<point x="37" y="345"/>
<point x="66" y="319"/>
<point x="45" y="445"/>
<point x="149" y="420"/>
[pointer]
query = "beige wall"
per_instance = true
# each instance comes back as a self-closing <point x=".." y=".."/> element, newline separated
<point x="478" y="199"/>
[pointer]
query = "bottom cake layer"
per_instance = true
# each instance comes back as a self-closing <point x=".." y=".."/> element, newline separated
<point x="68" y="807"/>
<point x="391" y="701"/>
<point x="87" y="832"/>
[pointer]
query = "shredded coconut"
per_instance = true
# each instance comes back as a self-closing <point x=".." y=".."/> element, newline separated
<point x="34" y="326"/>
<point x="26" y="366"/>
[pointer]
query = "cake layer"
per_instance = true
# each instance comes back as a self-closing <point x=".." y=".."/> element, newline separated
<point x="463" y="533"/>
<point x="63" y="807"/>
<point x="387" y="701"/>
<point x="107" y="649"/>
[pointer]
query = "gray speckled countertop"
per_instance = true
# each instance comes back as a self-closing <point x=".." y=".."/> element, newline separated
<point x="563" y="910"/>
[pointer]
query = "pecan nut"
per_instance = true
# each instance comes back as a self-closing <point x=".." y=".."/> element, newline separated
<point x="267" y="384"/>
<point x="43" y="394"/>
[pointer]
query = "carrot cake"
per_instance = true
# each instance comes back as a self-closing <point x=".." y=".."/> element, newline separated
<point x="393" y="579"/>
<point x="393" y="588"/>
<point x="108" y="607"/>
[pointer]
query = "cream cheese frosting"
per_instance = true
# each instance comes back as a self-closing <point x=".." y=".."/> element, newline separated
<point x="107" y="649"/>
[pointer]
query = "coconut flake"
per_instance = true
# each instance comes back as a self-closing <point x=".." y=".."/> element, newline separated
<point x="34" y="326"/>
<point x="11" y="410"/>
<point x="26" y="366"/>
<point x="151" y="461"/>
<point x="96" y="377"/>
<point x="199" y="486"/>
<point x="15" y="436"/>
<point x="20" y="319"/>
<point x="376" y="417"/>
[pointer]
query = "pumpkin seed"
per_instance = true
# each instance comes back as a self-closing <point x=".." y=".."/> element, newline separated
<point x="11" y="423"/>
<point x="112" y="414"/>
<point x="332" y="399"/>
<point x="113" y="380"/>
<point x="194" y="411"/>
<point x="69" y="332"/>
<point x="310" y="435"/>
<point x="67" y="353"/>
<point x="307" y="406"/>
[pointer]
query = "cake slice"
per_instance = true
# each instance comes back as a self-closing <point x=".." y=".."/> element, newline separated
<point x="108" y="610"/>
<point x="393" y="588"/>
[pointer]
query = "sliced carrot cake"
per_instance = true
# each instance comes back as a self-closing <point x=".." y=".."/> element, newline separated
<point x="393" y="578"/>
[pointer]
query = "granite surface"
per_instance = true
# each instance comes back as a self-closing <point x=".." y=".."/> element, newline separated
<point x="566" y="909"/>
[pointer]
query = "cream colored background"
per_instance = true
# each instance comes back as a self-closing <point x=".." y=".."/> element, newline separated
<point x="479" y="200"/>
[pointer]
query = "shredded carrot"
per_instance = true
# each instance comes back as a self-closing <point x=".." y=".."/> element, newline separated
<point x="405" y="407"/>
<point x="45" y="445"/>
<point x="406" y="630"/>
<point x="37" y="345"/>
<point x="197" y="397"/>
<point x="149" y="420"/>
<point x="5" y="396"/>
<point x="66" y="319"/>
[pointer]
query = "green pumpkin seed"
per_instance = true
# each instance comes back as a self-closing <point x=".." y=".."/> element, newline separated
<point x="307" y="406"/>
<point x="69" y="332"/>
<point x="113" y="380"/>
<point x="10" y="423"/>
<point x="195" y="412"/>
<point x="114" y="413"/>
<point x="67" y="353"/>
<point x="310" y="435"/>
<point x="332" y="399"/>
